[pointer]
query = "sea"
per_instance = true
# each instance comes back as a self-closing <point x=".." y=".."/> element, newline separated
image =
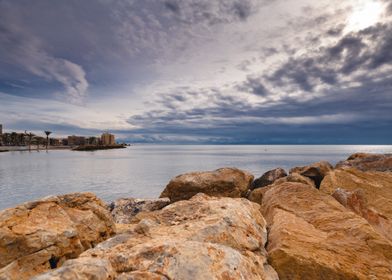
<point x="143" y="171"/>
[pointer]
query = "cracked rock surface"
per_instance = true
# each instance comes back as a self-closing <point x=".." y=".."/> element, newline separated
<point x="201" y="238"/>
<point x="41" y="235"/>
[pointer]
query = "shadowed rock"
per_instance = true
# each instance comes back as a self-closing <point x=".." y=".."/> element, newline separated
<point x="268" y="178"/>
<point x="316" y="171"/>
<point x="368" y="162"/>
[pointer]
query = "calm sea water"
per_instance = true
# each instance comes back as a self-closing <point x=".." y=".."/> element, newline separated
<point x="143" y="171"/>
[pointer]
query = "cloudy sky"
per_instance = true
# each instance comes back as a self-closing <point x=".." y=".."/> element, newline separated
<point x="199" y="71"/>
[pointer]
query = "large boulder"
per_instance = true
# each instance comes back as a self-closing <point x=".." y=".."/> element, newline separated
<point x="124" y="210"/>
<point x="316" y="171"/>
<point x="268" y="178"/>
<point x="368" y="162"/>
<point x="41" y="235"/>
<point x="257" y="194"/>
<point x="312" y="236"/>
<point x="373" y="190"/>
<point x="201" y="238"/>
<point x="224" y="182"/>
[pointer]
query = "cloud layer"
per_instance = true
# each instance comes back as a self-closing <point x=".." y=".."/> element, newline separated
<point x="225" y="71"/>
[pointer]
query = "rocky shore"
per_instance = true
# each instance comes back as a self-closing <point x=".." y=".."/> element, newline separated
<point x="90" y="148"/>
<point x="312" y="222"/>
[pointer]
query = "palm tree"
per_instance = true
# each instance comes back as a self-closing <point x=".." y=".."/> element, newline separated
<point x="47" y="138"/>
<point x="29" y="136"/>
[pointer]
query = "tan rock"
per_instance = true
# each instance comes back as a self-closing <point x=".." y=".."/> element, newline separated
<point x="81" y="269"/>
<point x="201" y="238"/>
<point x="230" y="182"/>
<point x="368" y="162"/>
<point x="141" y="276"/>
<point x="316" y="171"/>
<point x="357" y="202"/>
<point x="375" y="190"/>
<point x="257" y="194"/>
<point x="40" y="235"/>
<point x="268" y="178"/>
<point x="312" y="236"/>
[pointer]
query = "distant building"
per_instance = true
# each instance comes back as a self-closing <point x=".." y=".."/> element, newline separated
<point x="1" y="129"/>
<point x="108" y="139"/>
<point x="55" y="142"/>
<point x="94" y="141"/>
<point x="76" y="140"/>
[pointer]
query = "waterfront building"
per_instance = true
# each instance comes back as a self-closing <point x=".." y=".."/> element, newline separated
<point x="76" y="140"/>
<point x="108" y="139"/>
<point x="94" y="141"/>
<point x="55" y="142"/>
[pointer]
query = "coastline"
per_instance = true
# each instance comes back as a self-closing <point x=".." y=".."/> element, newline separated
<point x="33" y="148"/>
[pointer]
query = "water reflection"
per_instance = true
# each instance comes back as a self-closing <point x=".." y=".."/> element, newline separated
<point x="143" y="171"/>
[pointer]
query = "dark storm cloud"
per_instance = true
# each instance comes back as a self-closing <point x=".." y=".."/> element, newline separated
<point x="336" y="31"/>
<point x="338" y="118"/>
<point x="172" y="6"/>
<point x="366" y="50"/>
<point x="66" y="50"/>
<point x="253" y="85"/>
<point x="212" y="12"/>
<point x="355" y="97"/>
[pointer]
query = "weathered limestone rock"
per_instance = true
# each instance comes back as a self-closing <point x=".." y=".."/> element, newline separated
<point x="268" y="178"/>
<point x="41" y="235"/>
<point x="201" y="238"/>
<point x="312" y="236"/>
<point x="368" y="162"/>
<point x="230" y="182"/>
<point x="81" y="269"/>
<point x="257" y="194"/>
<point x="373" y="190"/>
<point x="356" y="201"/>
<point x="141" y="276"/>
<point x="316" y="171"/>
<point x="124" y="210"/>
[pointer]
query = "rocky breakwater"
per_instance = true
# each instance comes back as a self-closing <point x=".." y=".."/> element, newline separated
<point x="200" y="238"/>
<point x="317" y="222"/>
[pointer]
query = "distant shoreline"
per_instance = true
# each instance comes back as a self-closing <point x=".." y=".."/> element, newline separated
<point x="33" y="148"/>
<point x="91" y="148"/>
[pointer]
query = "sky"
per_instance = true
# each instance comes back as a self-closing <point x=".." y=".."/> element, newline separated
<point x="199" y="71"/>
